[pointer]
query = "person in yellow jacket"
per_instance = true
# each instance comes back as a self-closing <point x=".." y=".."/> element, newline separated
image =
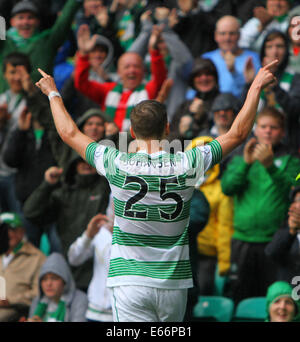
<point x="214" y="240"/>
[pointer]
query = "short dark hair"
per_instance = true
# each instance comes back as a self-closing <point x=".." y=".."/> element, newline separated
<point x="17" y="58"/>
<point x="149" y="119"/>
<point x="102" y="47"/>
<point x="273" y="34"/>
<point x="274" y="113"/>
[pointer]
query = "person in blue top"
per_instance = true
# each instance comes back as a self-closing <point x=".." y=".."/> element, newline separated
<point x="229" y="59"/>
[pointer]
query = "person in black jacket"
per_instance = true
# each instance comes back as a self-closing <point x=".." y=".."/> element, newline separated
<point x="284" y="248"/>
<point x="69" y="202"/>
<point x="193" y="115"/>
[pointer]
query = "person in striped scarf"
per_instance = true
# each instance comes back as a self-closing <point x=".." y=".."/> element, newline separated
<point x="117" y="99"/>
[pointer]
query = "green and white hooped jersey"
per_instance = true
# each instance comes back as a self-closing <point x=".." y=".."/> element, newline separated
<point x="152" y="195"/>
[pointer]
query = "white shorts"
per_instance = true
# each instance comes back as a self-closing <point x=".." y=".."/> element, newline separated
<point x="148" y="304"/>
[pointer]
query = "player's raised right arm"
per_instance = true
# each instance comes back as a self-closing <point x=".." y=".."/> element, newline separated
<point x="65" y="125"/>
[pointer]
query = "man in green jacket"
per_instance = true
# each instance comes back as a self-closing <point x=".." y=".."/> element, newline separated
<point x="24" y="36"/>
<point x="259" y="182"/>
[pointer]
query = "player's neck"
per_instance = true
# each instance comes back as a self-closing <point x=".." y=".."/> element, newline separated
<point x="150" y="146"/>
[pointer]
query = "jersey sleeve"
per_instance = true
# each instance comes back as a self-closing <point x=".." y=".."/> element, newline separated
<point x="200" y="159"/>
<point x="102" y="158"/>
<point x="216" y="152"/>
<point x="94" y="155"/>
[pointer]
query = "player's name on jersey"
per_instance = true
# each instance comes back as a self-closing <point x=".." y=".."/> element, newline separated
<point x="166" y="163"/>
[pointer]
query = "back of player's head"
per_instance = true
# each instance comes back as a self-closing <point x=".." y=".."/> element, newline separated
<point x="274" y="113"/>
<point x="149" y="119"/>
<point x="15" y="59"/>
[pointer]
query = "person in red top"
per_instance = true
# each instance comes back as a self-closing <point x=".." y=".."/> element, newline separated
<point x="117" y="99"/>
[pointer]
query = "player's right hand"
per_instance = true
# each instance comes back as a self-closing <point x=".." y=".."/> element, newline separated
<point x="46" y="83"/>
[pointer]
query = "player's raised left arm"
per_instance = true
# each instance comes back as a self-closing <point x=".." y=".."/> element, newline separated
<point x="244" y="121"/>
<point x="65" y="125"/>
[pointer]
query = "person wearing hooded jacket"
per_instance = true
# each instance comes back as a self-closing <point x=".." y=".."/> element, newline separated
<point x="91" y="123"/>
<point x="101" y="59"/>
<point x="285" y="95"/>
<point x="204" y="89"/>
<point x="70" y="203"/>
<point x="59" y="300"/>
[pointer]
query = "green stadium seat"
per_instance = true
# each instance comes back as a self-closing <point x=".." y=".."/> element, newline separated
<point x="45" y="244"/>
<point x="213" y="309"/>
<point x="251" y="310"/>
<point x="219" y="284"/>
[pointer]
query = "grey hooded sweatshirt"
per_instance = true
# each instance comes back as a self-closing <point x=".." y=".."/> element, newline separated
<point x="75" y="300"/>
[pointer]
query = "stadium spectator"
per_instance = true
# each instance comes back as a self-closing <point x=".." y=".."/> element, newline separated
<point x="196" y="110"/>
<point x="127" y="20"/>
<point x="284" y="248"/>
<point x="259" y="182"/>
<point x="70" y="203"/>
<point x="224" y="110"/>
<point x="117" y="99"/>
<point x="274" y="16"/>
<point x="24" y="36"/>
<point x="20" y="266"/>
<point x="281" y="306"/>
<point x="58" y="299"/>
<point x="229" y="59"/>
<point x="100" y="59"/>
<point x="285" y="95"/>
<point x="189" y="22"/>
<point x="12" y="102"/>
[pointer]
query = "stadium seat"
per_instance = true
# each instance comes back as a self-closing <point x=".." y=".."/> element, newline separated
<point x="45" y="244"/>
<point x="251" y="310"/>
<point x="213" y="309"/>
<point x="219" y="284"/>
